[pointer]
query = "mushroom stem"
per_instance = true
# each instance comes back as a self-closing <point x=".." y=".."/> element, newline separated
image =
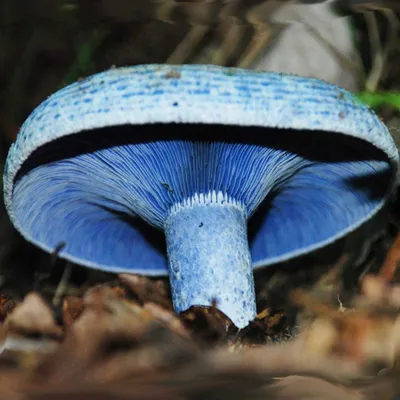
<point x="209" y="257"/>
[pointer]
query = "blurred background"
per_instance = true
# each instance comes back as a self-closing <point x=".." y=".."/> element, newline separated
<point x="47" y="44"/>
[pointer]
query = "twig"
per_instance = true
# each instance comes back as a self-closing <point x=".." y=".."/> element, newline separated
<point x="63" y="284"/>
<point x="392" y="261"/>
<point x="376" y="50"/>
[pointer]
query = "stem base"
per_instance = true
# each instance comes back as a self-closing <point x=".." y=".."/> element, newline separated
<point x="209" y="259"/>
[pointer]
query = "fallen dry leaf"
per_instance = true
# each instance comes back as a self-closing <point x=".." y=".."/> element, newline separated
<point x="210" y="325"/>
<point x="148" y="291"/>
<point x="7" y="305"/>
<point x="72" y="309"/>
<point x="32" y="317"/>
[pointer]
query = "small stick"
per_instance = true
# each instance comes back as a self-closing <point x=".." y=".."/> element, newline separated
<point x="56" y="252"/>
<point x="62" y="286"/>
<point x="389" y="267"/>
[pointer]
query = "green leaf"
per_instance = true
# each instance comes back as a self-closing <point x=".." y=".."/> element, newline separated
<point x="379" y="99"/>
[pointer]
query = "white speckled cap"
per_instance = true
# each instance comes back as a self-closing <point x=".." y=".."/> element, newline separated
<point x="191" y="94"/>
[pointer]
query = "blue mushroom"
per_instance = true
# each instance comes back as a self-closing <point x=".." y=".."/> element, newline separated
<point x="201" y="173"/>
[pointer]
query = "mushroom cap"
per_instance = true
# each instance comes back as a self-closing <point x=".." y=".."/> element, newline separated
<point x="333" y="158"/>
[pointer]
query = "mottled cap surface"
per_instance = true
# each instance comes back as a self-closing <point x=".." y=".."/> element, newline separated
<point x="96" y="159"/>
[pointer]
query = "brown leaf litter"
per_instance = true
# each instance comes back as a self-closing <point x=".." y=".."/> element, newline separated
<point x="122" y="340"/>
<point x="112" y="346"/>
